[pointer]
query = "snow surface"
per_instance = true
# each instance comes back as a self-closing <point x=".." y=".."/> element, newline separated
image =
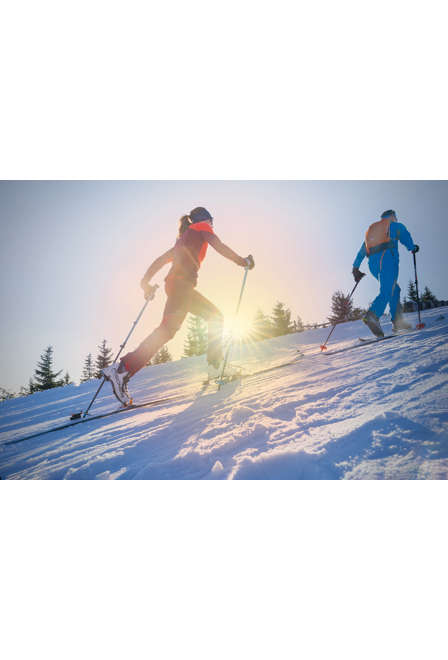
<point x="375" y="412"/>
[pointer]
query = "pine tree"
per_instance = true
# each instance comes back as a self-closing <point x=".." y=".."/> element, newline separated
<point x="298" y="325"/>
<point x="196" y="342"/>
<point x="281" y="320"/>
<point x="341" y="308"/>
<point x="25" y="391"/>
<point x="44" y="377"/>
<point x="162" y="356"/>
<point x="5" y="394"/>
<point x="103" y="359"/>
<point x="67" y="380"/>
<point x="357" y="313"/>
<point x="262" y="326"/>
<point x="428" y="296"/>
<point x="412" y="291"/>
<point x="88" y="371"/>
<point x="31" y="387"/>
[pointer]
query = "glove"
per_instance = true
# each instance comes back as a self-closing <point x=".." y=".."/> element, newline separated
<point x="357" y="274"/>
<point x="416" y="249"/>
<point x="149" y="291"/>
<point x="250" y="263"/>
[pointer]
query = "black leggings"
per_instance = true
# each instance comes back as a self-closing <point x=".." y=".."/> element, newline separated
<point x="182" y="299"/>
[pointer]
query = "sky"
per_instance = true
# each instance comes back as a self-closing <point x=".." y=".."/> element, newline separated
<point x="73" y="254"/>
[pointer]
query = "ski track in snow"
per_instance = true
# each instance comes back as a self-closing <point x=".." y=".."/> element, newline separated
<point x="378" y="412"/>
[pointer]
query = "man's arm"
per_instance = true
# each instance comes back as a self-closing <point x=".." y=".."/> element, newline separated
<point x="224" y="250"/>
<point x="404" y="236"/>
<point x="156" y="265"/>
<point x="360" y="256"/>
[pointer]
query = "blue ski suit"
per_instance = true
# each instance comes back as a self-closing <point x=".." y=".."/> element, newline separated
<point x="383" y="264"/>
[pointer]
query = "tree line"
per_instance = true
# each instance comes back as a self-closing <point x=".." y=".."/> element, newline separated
<point x="427" y="298"/>
<point x="276" y="324"/>
<point x="45" y="378"/>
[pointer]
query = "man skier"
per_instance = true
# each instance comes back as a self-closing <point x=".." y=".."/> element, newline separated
<point x="195" y="235"/>
<point x="381" y="248"/>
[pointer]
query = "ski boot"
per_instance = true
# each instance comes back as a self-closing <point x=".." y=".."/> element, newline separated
<point x="372" y="322"/>
<point x="399" y="324"/>
<point x="118" y="377"/>
<point x="232" y="372"/>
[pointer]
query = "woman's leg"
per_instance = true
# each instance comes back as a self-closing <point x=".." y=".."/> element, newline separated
<point x="176" y="309"/>
<point x="200" y="306"/>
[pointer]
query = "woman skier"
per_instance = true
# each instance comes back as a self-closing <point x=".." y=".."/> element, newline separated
<point x="381" y="248"/>
<point x="195" y="234"/>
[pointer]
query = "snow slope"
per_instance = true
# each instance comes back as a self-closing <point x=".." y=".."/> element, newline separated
<point x="375" y="412"/>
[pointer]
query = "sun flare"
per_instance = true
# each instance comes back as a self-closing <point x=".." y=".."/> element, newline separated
<point x="239" y="328"/>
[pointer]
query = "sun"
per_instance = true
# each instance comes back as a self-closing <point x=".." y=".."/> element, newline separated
<point x="238" y="328"/>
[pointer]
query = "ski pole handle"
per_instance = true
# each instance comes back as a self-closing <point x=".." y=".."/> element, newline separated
<point x="250" y="263"/>
<point x="150" y="292"/>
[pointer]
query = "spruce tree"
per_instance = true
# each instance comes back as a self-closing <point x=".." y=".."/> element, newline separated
<point x="25" y="391"/>
<point x="341" y="308"/>
<point x="67" y="380"/>
<point x="428" y="296"/>
<point x="44" y="377"/>
<point x="262" y="326"/>
<point x="196" y="341"/>
<point x="357" y="313"/>
<point x="412" y="291"/>
<point x="5" y="394"/>
<point x="88" y="371"/>
<point x="281" y="320"/>
<point x="162" y="356"/>
<point x="103" y="359"/>
<point x="298" y="325"/>
<point x="31" y="387"/>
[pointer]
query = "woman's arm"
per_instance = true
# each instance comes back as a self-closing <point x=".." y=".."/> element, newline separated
<point x="224" y="250"/>
<point x="156" y="265"/>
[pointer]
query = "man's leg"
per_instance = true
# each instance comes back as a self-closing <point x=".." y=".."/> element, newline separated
<point x="389" y="290"/>
<point x="394" y="303"/>
<point x="200" y="306"/>
<point x="380" y="303"/>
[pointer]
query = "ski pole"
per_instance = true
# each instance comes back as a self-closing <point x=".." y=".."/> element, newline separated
<point x="229" y="347"/>
<point x="150" y="297"/>
<point x="324" y="345"/>
<point x="420" y="325"/>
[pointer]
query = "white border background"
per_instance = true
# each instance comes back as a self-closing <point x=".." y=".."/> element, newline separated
<point x="207" y="90"/>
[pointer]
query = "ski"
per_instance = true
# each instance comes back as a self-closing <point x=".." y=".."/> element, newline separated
<point x="275" y="366"/>
<point x="369" y="340"/>
<point x="366" y="342"/>
<point x="153" y="402"/>
<point x="258" y="372"/>
<point x="91" y="418"/>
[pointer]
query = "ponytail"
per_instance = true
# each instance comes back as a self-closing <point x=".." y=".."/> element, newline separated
<point x="184" y="223"/>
